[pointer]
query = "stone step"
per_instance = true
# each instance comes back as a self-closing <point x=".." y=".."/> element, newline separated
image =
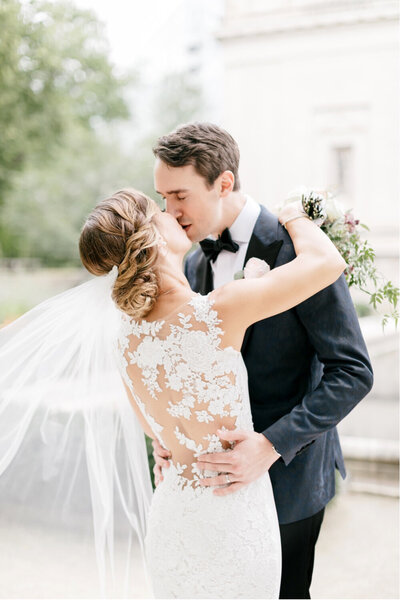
<point x="372" y="465"/>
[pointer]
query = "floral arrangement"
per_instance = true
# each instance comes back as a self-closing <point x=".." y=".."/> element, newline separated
<point x="345" y="232"/>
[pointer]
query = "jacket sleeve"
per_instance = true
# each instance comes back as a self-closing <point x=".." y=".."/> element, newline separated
<point x="331" y="323"/>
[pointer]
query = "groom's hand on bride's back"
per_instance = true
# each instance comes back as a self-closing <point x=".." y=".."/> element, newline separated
<point x="161" y="456"/>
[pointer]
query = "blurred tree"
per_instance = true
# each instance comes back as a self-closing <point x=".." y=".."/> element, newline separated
<point x="59" y="154"/>
<point x="177" y="99"/>
<point x="43" y="213"/>
<point x="54" y="74"/>
<point x="45" y="210"/>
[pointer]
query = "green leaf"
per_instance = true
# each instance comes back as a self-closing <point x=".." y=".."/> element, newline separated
<point x="239" y="275"/>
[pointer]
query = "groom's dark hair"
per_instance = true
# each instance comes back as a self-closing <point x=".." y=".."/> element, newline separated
<point x="209" y="148"/>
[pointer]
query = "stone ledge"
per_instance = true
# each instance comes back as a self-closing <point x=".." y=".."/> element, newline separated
<point x="370" y="449"/>
<point x="280" y="22"/>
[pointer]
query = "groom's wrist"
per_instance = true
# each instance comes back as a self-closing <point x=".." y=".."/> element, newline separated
<point x="273" y="444"/>
<point x="276" y="451"/>
<point x="272" y="452"/>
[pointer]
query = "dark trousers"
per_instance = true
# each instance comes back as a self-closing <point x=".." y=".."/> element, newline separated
<point x="298" y="541"/>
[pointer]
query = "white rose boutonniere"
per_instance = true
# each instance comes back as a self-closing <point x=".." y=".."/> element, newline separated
<point x="255" y="267"/>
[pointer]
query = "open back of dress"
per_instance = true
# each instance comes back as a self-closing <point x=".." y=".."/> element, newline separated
<point x="185" y="382"/>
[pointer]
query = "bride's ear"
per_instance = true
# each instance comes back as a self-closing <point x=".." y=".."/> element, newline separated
<point x="227" y="183"/>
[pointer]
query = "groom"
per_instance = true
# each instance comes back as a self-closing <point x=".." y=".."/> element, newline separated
<point x="307" y="367"/>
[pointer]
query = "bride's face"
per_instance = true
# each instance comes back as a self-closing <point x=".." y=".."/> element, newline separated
<point x="172" y="233"/>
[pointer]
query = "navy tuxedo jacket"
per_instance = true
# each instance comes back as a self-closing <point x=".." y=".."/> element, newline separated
<point x="307" y="368"/>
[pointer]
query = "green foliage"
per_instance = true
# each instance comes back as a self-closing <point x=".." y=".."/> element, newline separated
<point x="360" y="257"/>
<point x="363" y="309"/>
<point x="59" y="154"/>
<point x="43" y="214"/>
<point x="55" y="74"/>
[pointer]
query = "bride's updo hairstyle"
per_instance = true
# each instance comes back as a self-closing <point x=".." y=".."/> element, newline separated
<point x="120" y="231"/>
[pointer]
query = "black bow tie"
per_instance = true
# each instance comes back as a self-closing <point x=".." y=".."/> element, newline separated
<point x="212" y="248"/>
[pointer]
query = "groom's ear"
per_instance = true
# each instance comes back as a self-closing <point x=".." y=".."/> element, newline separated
<point x="227" y="182"/>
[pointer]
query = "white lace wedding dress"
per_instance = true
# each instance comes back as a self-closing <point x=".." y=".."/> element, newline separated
<point x="187" y="385"/>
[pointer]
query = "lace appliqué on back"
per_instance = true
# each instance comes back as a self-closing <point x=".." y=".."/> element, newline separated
<point x="189" y="382"/>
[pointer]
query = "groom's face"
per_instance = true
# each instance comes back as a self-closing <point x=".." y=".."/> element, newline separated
<point x="196" y="206"/>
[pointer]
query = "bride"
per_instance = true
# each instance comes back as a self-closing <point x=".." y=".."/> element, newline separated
<point x="179" y="357"/>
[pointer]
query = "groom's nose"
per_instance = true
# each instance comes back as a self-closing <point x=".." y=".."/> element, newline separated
<point x="173" y="209"/>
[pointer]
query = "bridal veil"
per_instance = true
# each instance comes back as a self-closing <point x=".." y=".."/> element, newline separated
<point x="73" y="459"/>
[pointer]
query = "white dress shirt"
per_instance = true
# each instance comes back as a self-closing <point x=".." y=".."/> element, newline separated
<point x="228" y="263"/>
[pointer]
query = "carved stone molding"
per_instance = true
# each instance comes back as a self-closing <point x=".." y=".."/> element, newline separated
<point x="304" y="16"/>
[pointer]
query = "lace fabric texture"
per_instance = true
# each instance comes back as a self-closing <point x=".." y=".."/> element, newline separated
<point x="187" y="385"/>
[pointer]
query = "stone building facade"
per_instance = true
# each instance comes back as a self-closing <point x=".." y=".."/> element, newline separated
<point x="311" y="94"/>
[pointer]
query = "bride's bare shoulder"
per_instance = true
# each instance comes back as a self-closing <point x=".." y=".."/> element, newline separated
<point x="226" y="298"/>
<point x="225" y="303"/>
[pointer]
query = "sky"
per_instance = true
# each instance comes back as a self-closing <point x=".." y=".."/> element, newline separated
<point x="152" y="37"/>
<point x="143" y="33"/>
<point x="145" y="36"/>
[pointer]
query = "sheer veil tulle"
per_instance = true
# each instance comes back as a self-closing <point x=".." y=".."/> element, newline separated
<point x="73" y="455"/>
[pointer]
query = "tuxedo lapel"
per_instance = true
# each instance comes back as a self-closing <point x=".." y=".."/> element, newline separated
<point x="204" y="275"/>
<point x="264" y="245"/>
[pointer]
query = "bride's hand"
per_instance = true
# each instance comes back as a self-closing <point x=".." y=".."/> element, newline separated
<point x="160" y="455"/>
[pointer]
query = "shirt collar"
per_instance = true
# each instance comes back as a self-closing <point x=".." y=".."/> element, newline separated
<point x="242" y="228"/>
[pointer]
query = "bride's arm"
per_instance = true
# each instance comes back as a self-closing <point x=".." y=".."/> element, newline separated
<point x="142" y="421"/>
<point x="317" y="265"/>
